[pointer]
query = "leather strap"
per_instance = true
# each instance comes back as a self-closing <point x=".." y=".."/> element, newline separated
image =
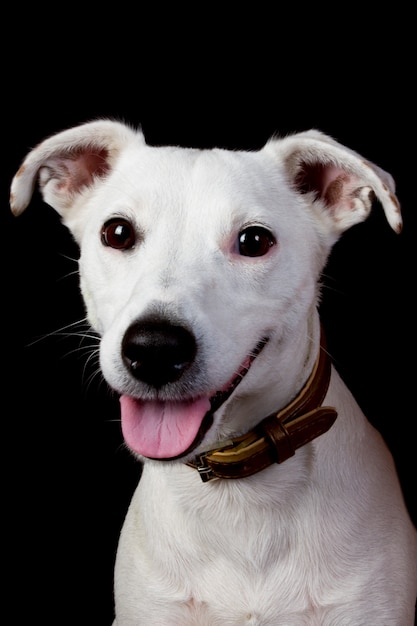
<point x="277" y="437"/>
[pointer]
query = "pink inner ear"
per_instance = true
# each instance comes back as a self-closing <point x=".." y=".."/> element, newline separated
<point x="81" y="167"/>
<point x="328" y="181"/>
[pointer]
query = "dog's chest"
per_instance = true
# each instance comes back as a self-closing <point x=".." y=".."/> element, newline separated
<point x="230" y="573"/>
<point x="229" y="563"/>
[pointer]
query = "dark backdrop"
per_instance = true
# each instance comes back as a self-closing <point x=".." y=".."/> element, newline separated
<point x="68" y="479"/>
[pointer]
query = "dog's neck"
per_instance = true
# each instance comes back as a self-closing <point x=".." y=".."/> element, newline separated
<point x="277" y="436"/>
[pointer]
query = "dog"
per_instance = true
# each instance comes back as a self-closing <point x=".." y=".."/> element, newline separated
<point x="266" y="496"/>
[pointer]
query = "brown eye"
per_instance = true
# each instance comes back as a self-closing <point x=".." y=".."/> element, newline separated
<point x="255" y="241"/>
<point x="118" y="233"/>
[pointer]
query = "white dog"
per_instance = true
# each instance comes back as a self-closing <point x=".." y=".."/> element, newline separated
<point x="200" y="270"/>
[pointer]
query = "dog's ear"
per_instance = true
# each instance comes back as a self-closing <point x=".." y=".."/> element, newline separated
<point x="68" y="162"/>
<point x="342" y="184"/>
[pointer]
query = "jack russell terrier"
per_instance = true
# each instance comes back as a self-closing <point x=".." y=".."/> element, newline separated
<point x="266" y="497"/>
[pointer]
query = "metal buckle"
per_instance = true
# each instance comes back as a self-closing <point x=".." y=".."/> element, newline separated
<point x="205" y="472"/>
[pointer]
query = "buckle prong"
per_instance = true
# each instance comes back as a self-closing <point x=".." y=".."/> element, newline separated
<point x="205" y="471"/>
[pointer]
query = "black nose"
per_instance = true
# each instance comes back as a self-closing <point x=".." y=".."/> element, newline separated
<point x="158" y="352"/>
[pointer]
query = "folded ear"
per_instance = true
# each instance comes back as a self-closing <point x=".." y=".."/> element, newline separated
<point x="342" y="184"/>
<point x="69" y="162"/>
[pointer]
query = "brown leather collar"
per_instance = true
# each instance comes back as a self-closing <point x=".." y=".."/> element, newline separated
<point x="277" y="436"/>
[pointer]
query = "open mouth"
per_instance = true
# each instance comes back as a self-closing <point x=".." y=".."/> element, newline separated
<point x="168" y="430"/>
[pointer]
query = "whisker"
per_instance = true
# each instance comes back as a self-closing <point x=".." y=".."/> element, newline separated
<point x="326" y="284"/>
<point x="69" y="258"/>
<point x="67" y="331"/>
<point x="68" y="275"/>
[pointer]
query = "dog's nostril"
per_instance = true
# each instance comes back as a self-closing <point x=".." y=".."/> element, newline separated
<point x="158" y="353"/>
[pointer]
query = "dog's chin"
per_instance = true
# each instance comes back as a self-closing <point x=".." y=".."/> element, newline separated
<point x="170" y="430"/>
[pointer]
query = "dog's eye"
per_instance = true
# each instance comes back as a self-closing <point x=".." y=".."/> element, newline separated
<point x="255" y="241"/>
<point x="118" y="233"/>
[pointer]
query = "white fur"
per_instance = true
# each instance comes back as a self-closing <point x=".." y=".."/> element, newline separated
<point x="322" y="539"/>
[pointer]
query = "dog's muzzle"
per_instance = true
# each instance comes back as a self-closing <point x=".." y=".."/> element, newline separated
<point x="163" y="420"/>
<point x="158" y="353"/>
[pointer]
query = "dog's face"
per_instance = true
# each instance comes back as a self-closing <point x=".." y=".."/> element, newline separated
<point x="190" y="265"/>
<point x="200" y="269"/>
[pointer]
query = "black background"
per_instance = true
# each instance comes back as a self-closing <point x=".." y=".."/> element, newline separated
<point x="67" y="479"/>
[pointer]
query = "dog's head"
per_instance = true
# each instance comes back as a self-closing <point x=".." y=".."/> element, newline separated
<point x="200" y="268"/>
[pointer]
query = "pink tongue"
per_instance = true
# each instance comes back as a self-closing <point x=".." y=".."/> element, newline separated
<point x="161" y="430"/>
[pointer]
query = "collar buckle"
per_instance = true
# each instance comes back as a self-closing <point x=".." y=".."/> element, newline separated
<point x="204" y="470"/>
<point x="201" y="464"/>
